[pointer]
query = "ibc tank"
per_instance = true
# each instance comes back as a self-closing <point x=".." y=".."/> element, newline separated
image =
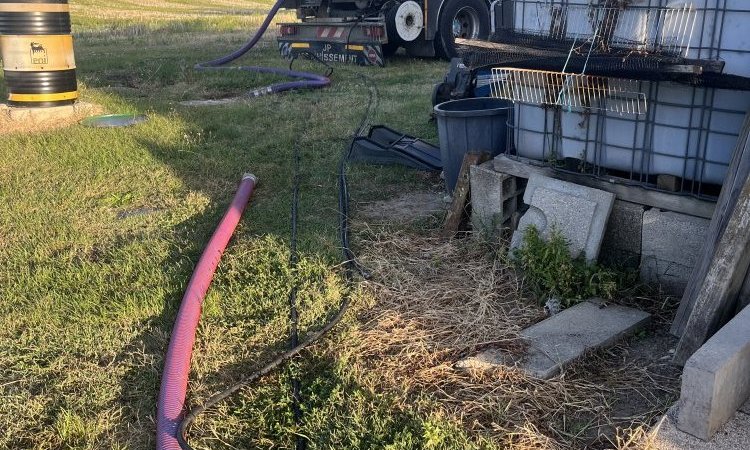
<point x="687" y="132"/>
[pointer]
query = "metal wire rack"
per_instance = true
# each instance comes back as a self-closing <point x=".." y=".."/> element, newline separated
<point x="570" y="91"/>
<point x="699" y="43"/>
<point x="656" y="30"/>
<point x="687" y="131"/>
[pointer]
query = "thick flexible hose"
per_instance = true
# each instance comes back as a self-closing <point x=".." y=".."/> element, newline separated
<point x="303" y="80"/>
<point x="177" y="363"/>
<point x="350" y="265"/>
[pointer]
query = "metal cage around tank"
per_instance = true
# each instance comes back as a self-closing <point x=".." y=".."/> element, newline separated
<point x="690" y="125"/>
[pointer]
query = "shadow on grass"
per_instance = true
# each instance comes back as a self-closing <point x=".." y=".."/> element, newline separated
<point x="207" y="151"/>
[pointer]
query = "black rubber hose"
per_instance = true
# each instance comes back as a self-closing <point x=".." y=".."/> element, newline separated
<point x="350" y="265"/>
<point x="302" y="80"/>
<point x="226" y="59"/>
<point x="300" y="443"/>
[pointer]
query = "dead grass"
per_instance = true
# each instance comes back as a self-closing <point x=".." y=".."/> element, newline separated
<point x="438" y="300"/>
<point x="34" y="120"/>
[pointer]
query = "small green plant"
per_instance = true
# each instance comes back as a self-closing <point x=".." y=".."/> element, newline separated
<point x="550" y="270"/>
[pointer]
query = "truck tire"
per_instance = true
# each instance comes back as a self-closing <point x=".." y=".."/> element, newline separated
<point x="389" y="49"/>
<point x="469" y="19"/>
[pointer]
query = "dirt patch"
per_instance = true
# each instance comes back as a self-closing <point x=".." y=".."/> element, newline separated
<point x="404" y="208"/>
<point x="653" y="354"/>
<point x="437" y="300"/>
<point x="32" y="120"/>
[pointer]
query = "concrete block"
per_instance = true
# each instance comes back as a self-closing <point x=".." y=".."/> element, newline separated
<point x="493" y="198"/>
<point x="716" y="379"/>
<point x="671" y="245"/>
<point x="579" y="213"/>
<point x="621" y="245"/>
<point x="735" y="435"/>
<point x="565" y="337"/>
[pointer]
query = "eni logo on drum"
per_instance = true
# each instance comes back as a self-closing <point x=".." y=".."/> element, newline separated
<point x="38" y="54"/>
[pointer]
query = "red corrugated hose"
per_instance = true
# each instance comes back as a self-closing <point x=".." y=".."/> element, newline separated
<point x="177" y="364"/>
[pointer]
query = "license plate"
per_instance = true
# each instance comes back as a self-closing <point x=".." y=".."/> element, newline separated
<point x="335" y="53"/>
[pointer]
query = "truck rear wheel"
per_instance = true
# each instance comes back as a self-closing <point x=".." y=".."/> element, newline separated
<point x="390" y="49"/>
<point x="467" y="19"/>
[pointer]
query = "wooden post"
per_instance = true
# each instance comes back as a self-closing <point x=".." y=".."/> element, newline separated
<point x="461" y="193"/>
<point x="718" y="293"/>
<point x="737" y="174"/>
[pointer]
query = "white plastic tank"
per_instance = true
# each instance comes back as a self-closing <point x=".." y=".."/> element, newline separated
<point x="687" y="132"/>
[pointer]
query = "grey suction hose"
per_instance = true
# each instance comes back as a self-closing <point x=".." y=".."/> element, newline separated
<point x="302" y="80"/>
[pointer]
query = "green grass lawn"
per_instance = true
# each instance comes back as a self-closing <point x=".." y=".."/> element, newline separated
<point x="100" y="230"/>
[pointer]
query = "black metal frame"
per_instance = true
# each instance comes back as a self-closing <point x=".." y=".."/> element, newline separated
<point x="697" y="157"/>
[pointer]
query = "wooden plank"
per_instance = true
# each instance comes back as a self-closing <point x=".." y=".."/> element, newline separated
<point x="719" y="291"/>
<point x="524" y="167"/>
<point x="461" y="193"/>
<point x="737" y="173"/>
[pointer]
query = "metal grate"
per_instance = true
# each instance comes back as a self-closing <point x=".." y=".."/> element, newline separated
<point x="688" y="130"/>
<point x="539" y="87"/>
<point x="649" y="29"/>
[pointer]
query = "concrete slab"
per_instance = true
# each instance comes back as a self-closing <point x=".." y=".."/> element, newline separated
<point x="493" y="198"/>
<point x="621" y="245"/>
<point x="579" y="213"/>
<point x="735" y="435"/>
<point x="716" y="379"/>
<point x="671" y="245"/>
<point x="565" y="337"/>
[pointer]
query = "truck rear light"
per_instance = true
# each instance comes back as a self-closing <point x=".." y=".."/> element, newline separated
<point x="375" y="32"/>
<point x="288" y="30"/>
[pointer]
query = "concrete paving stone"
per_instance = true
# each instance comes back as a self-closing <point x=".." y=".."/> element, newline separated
<point x="579" y="213"/>
<point x="30" y="120"/>
<point x="671" y="245"/>
<point x="564" y="337"/>
<point x="716" y="379"/>
<point x="561" y="339"/>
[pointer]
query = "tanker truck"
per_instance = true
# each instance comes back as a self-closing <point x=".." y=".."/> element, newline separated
<point x="366" y="31"/>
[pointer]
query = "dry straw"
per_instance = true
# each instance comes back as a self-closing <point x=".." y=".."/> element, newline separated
<point x="437" y="300"/>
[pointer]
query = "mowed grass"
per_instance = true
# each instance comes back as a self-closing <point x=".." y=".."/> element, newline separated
<point x="100" y="230"/>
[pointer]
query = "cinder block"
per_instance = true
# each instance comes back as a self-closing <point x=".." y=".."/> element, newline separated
<point x="671" y="246"/>
<point x="493" y="198"/>
<point x="578" y="212"/>
<point x="716" y="379"/>
<point x="621" y="246"/>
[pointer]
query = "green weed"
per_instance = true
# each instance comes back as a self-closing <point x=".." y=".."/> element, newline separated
<point x="551" y="271"/>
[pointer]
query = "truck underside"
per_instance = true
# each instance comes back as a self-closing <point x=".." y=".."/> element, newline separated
<point x="366" y="31"/>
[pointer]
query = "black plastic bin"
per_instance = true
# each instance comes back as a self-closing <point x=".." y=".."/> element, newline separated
<point x="472" y="125"/>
